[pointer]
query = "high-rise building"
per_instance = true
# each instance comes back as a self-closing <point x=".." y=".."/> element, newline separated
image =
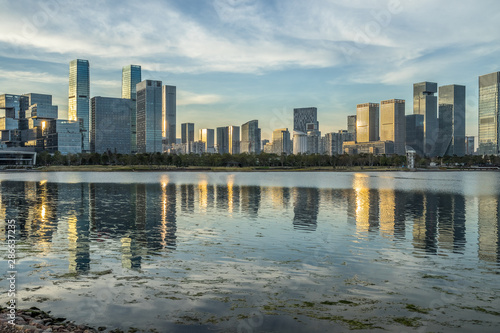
<point x="187" y="133"/>
<point x="110" y="130"/>
<point x="299" y="143"/>
<point x="489" y="113"/>
<point x="263" y="143"/>
<point x="333" y="142"/>
<point x="393" y="124"/>
<point x="207" y="136"/>
<point x="131" y="76"/>
<point x="223" y="140"/>
<point x="234" y="139"/>
<point x="451" y="138"/>
<point x="415" y="132"/>
<point x="149" y="117"/>
<point x="13" y="106"/>
<point x="425" y="103"/>
<point x="79" y="98"/>
<point x="169" y="111"/>
<point x="351" y="126"/>
<point x="281" y="141"/>
<point x="367" y="119"/>
<point x="470" y="148"/>
<point x="304" y="116"/>
<point x="63" y="136"/>
<point x="250" y="137"/>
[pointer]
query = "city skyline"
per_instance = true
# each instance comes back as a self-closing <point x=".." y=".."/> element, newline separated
<point x="342" y="54"/>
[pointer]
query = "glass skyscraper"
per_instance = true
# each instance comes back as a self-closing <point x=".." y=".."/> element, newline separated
<point x="131" y="76"/>
<point x="169" y="106"/>
<point x="110" y="118"/>
<point x="223" y="140"/>
<point x="250" y="137"/>
<point x="415" y="132"/>
<point x="79" y="98"/>
<point x="367" y="119"/>
<point x="489" y="113"/>
<point x="451" y="139"/>
<point x="234" y="139"/>
<point x="393" y="124"/>
<point x="425" y="103"/>
<point x="149" y="117"/>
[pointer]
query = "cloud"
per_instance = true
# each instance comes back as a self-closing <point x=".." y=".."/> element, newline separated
<point x="40" y="77"/>
<point x="190" y="98"/>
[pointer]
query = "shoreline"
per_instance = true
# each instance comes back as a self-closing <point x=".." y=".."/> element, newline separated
<point x="142" y="168"/>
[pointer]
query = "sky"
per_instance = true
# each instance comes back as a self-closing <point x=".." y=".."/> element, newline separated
<point x="238" y="60"/>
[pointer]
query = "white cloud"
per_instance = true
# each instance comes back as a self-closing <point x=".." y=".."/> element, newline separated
<point x="190" y="98"/>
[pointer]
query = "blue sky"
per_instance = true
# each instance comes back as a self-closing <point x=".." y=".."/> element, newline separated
<point x="237" y="60"/>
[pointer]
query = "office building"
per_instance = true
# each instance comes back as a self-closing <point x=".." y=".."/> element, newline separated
<point x="207" y="136"/>
<point x="250" y="137"/>
<point x="131" y="76"/>
<point x="234" y="139"/>
<point x="489" y="113"/>
<point x="281" y="141"/>
<point x="79" y="98"/>
<point x="415" y="132"/>
<point x="367" y="122"/>
<point x="187" y="136"/>
<point x="110" y="130"/>
<point x="304" y="116"/>
<point x="299" y="143"/>
<point x="169" y="112"/>
<point x="63" y="136"/>
<point x="263" y="143"/>
<point x="451" y="138"/>
<point x="12" y="106"/>
<point x="149" y="117"/>
<point x="40" y="106"/>
<point x="351" y="126"/>
<point x="313" y="138"/>
<point x="333" y="142"/>
<point x="393" y="124"/>
<point x="197" y="147"/>
<point x="470" y="147"/>
<point x="374" y="147"/>
<point x="223" y="140"/>
<point x="425" y="103"/>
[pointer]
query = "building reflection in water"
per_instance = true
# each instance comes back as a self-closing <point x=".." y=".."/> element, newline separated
<point x="489" y="228"/>
<point x="143" y="217"/>
<point x="305" y="208"/>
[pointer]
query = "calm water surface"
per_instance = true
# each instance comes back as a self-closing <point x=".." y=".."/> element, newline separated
<point x="253" y="252"/>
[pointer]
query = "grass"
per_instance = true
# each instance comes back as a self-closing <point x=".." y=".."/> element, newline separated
<point x="406" y="321"/>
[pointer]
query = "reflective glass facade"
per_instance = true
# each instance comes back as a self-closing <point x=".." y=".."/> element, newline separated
<point x="367" y="119"/>
<point x="131" y="76"/>
<point x="110" y="125"/>
<point x="149" y="117"/>
<point x="79" y="98"/>
<point x="207" y="136"/>
<point x="451" y="139"/>
<point x="223" y="140"/>
<point x="489" y="86"/>
<point x="169" y="111"/>
<point x="393" y="124"/>
<point x="250" y="137"/>
<point x="425" y="103"/>
<point x="281" y="141"/>
<point x="234" y="139"/>
<point x="415" y="132"/>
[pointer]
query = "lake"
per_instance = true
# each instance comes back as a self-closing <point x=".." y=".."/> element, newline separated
<point x="258" y="251"/>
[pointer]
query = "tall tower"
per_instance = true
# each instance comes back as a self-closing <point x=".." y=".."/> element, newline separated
<point x="425" y="103"/>
<point x="304" y="116"/>
<point x="351" y="126"/>
<point x="489" y="103"/>
<point x="367" y="117"/>
<point x="234" y="139"/>
<point x="223" y="140"/>
<point x="131" y="76"/>
<point x="393" y="124"/>
<point x="79" y="98"/>
<point x="149" y="117"/>
<point x="250" y="137"/>
<point x="169" y="111"/>
<point x="451" y="139"/>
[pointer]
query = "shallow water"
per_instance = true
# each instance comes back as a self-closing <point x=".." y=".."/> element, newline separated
<point x="251" y="252"/>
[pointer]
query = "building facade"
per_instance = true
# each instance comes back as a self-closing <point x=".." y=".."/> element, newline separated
<point x="63" y="136"/>
<point x="250" y="137"/>
<point x="234" y="139"/>
<point x="299" y="143"/>
<point x="489" y="114"/>
<point x="451" y="138"/>
<point x="149" y="117"/>
<point x="351" y="125"/>
<point x="415" y="132"/>
<point x="223" y="140"/>
<point x="131" y="76"/>
<point x="333" y="142"/>
<point x="79" y="98"/>
<point x="470" y="148"/>
<point x="169" y="113"/>
<point x="207" y="135"/>
<point x="393" y="124"/>
<point x="367" y="122"/>
<point x="425" y="103"/>
<point x="281" y="141"/>
<point x="304" y="116"/>
<point x="110" y="119"/>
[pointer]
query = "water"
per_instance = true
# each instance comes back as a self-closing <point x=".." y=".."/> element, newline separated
<point x="252" y="252"/>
